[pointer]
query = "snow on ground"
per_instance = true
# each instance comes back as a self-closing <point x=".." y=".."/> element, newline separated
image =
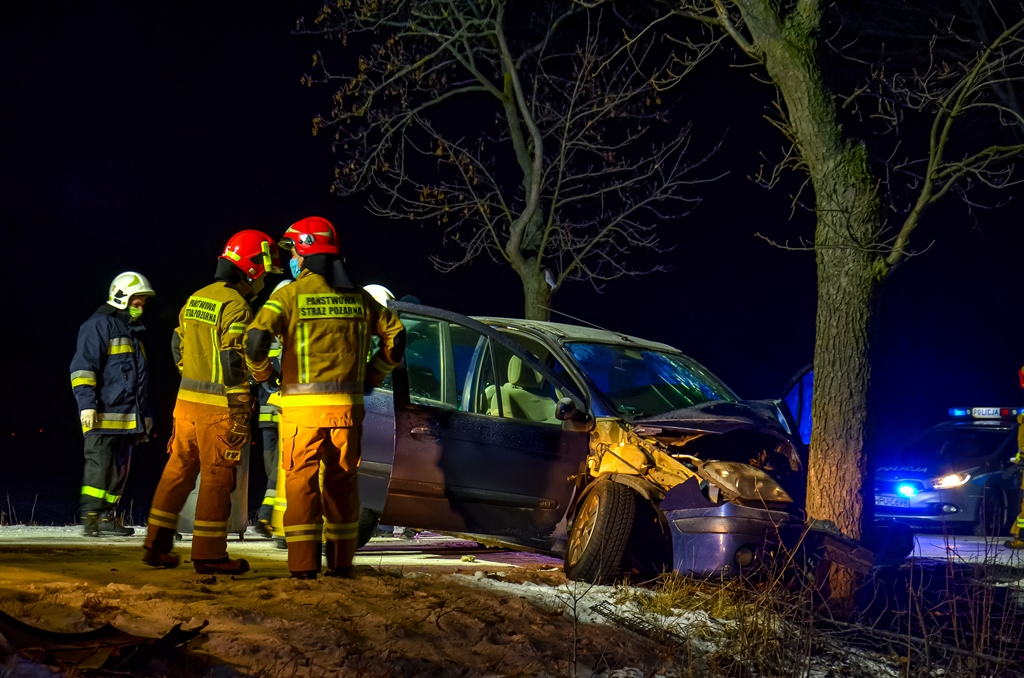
<point x="961" y="549"/>
<point x="406" y="614"/>
<point x="428" y="606"/>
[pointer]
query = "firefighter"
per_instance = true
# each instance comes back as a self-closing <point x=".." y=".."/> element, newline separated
<point x="269" y="416"/>
<point x="1017" y="529"/>
<point x="211" y="415"/>
<point x="382" y="295"/>
<point x="110" y="381"/>
<point x="325" y="324"/>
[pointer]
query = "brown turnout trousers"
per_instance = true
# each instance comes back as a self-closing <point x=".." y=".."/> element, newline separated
<point x="312" y="515"/>
<point x="198" y="444"/>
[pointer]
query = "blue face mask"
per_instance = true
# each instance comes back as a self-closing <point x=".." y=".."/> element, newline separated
<point x="293" y="264"/>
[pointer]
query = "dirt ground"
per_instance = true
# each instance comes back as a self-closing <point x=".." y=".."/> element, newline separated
<point x="407" y="613"/>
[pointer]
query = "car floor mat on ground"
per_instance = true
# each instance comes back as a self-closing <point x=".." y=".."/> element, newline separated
<point x="103" y="649"/>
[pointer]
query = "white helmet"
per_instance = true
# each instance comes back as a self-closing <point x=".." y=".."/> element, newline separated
<point x="380" y="293"/>
<point x="280" y="285"/>
<point x="126" y="285"/>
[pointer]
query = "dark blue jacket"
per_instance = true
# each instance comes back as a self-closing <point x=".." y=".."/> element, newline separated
<point x="109" y="373"/>
<point x="270" y="415"/>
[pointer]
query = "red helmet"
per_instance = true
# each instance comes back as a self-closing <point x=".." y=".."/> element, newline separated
<point x="312" y="235"/>
<point x="254" y="252"/>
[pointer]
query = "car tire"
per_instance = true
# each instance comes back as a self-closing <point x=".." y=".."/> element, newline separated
<point x="649" y="551"/>
<point x="368" y="521"/>
<point x="600" y="533"/>
<point x="992" y="516"/>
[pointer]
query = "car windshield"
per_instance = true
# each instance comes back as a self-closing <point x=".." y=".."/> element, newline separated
<point x="956" y="443"/>
<point x="640" y="382"/>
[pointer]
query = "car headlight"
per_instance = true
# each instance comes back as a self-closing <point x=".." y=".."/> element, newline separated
<point x="952" y="480"/>
<point x="749" y="482"/>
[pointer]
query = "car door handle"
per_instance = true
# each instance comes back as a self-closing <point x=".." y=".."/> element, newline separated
<point x="425" y="432"/>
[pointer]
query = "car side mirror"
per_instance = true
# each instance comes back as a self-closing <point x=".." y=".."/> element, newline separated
<point x="565" y="410"/>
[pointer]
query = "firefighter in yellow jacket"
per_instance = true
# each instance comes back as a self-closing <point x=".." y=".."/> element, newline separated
<point x="1017" y="529"/>
<point x="325" y="324"/>
<point x="211" y="415"/>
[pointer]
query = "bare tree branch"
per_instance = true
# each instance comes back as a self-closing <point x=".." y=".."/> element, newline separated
<point x="564" y="163"/>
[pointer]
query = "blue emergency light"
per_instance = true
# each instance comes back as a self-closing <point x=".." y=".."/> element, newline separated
<point x="985" y="412"/>
<point x="906" y="489"/>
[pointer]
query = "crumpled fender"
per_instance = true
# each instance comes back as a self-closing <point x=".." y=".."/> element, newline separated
<point x="642" y="486"/>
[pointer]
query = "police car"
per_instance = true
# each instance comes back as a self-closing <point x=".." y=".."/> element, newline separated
<point x="955" y="475"/>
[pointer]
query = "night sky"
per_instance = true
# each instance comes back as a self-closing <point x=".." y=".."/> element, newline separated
<point x="142" y="135"/>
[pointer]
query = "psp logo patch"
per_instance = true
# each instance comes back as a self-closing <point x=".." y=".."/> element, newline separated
<point x="232" y="455"/>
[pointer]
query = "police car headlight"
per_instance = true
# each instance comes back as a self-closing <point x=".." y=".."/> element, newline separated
<point x="747" y="481"/>
<point x="952" y="480"/>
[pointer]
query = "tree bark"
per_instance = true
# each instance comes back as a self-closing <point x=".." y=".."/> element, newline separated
<point x="536" y="292"/>
<point x="840" y="484"/>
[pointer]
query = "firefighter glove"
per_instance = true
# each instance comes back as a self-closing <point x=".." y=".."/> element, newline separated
<point x="148" y="422"/>
<point x="239" y="431"/>
<point x="240" y="404"/>
<point x="89" y="419"/>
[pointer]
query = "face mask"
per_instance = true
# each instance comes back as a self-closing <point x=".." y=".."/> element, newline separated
<point x="293" y="264"/>
<point x="134" y="312"/>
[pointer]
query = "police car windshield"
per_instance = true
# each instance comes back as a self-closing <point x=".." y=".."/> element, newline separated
<point x="967" y="442"/>
<point x="642" y="383"/>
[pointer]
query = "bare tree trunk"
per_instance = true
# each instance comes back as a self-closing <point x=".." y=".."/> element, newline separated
<point x="537" y="294"/>
<point x="840" y="477"/>
<point x="840" y="483"/>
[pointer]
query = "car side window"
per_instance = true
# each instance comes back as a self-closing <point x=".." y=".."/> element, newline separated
<point x="524" y="394"/>
<point x="470" y="367"/>
<point x="423" y="360"/>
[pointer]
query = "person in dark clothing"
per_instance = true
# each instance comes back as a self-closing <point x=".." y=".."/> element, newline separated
<point x="110" y="380"/>
<point x="269" y="417"/>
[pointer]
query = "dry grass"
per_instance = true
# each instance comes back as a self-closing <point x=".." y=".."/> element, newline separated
<point x="922" y="619"/>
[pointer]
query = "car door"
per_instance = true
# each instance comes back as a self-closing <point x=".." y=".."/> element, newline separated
<point x="462" y="462"/>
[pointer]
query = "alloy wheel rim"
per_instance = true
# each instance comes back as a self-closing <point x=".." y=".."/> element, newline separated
<point x="583" y="528"/>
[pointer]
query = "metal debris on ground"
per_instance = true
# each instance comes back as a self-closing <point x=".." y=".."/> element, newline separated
<point x="104" y="649"/>
<point x="636" y="624"/>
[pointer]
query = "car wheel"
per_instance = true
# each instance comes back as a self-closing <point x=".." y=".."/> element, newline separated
<point x="991" y="514"/>
<point x="649" y="551"/>
<point x="600" y="533"/>
<point x="367" y="524"/>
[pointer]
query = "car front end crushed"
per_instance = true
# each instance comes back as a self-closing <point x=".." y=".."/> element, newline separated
<point x="709" y="473"/>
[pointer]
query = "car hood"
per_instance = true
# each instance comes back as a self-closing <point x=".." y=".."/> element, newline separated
<point x="902" y="468"/>
<point x="720" y="416"/>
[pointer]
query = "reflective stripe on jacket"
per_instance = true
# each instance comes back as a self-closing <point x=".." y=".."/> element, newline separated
<point x="208" y="347"/>
<point x="325" y="335"/>
<point x="270" y="414"/>
<point x="109" y="373"/>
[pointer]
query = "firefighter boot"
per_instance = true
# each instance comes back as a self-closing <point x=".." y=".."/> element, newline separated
<point x="159" y="555"/>
<point x="311" y="574"/>
<point x="221" y="566"/>
<point x="91" y="524"/>
<point x="110" y="528"/>
<point x="1015" y="543"/>
<point x="264" y="517"/>
<point x="263" y="528"/>
<point x="343" y="572"/>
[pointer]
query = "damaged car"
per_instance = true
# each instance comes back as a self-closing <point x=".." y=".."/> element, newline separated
<point x="615" y="453"/>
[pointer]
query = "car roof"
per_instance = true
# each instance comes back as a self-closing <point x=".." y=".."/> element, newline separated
<point x="565" y="332"/>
